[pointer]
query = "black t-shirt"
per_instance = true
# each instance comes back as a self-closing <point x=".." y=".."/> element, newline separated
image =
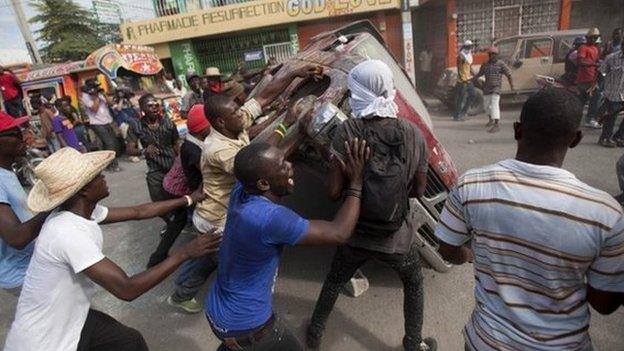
<point x="416" y="146"/>
<point x="190" y="156"/>
<point x="164" y="137"/>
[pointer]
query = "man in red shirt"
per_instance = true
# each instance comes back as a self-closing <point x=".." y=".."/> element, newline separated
<point x="11" y="93"/>
<point x="586" y="77"/>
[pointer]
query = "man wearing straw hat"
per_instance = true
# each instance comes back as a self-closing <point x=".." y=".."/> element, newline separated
<point x="54" y="310"/>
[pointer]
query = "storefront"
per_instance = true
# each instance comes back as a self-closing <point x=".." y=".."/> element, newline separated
<point x="255" y="31"/>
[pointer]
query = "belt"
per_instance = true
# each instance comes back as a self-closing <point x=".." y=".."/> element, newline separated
<point x="237" y="343"/>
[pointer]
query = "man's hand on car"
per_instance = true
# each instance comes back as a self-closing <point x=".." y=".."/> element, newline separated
<point x="300" y="110"/>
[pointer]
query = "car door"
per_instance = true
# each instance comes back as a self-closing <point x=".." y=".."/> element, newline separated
<point x="534" y="58"/>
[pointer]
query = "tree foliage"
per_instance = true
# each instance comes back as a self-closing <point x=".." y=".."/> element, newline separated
<point x="69" y="32"/>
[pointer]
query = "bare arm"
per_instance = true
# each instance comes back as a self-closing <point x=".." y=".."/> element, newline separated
<point x="280" y="82"/>
<point x="149" y="210"/>
<point x="61" y="140"/>
<point x="15" y="233"/>
<point x="420" y="183"/>
<point x="510" y="80"/>
<point x="605" y="302"/>
<point x="455" y="254"/>
<point x="112" y="278"/>
<point x="341" y="228"/>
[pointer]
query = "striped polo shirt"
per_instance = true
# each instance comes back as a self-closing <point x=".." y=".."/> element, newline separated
<point x="539" y="235"/>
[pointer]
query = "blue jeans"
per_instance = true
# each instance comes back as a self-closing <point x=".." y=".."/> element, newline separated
<point x="465" y="94"/>
<point x="129" y="116"/>
<point x="193" y="274"/>
<point x="613" y="107"/>
<point x="594" y="99"/>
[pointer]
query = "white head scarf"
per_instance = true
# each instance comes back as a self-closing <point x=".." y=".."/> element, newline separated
<point x="372" y="90"/>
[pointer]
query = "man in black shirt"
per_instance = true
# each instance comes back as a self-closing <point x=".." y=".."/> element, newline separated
<point x="383" y="233"/>
<point x="159" y="138"/>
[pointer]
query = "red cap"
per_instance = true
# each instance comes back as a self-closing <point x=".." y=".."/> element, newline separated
<point x="197" y="121"/>
<point x="8" y="122"/>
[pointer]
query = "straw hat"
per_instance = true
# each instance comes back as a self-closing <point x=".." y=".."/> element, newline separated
<point x="213" y="72"/>
<point x="593" y="32"/>
<point x="63" y="174"/>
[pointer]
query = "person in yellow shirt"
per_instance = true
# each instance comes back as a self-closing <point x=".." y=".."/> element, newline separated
<point x="464" y="89"/>
<point x="231" y="127"/>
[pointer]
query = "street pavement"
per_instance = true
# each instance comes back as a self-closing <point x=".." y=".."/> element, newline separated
<point x="373" y="321"/>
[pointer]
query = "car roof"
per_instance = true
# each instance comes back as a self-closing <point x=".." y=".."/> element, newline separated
<point x="557" y="33"/>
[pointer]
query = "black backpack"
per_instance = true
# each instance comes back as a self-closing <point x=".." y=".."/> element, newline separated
<point x="385" y="193"/>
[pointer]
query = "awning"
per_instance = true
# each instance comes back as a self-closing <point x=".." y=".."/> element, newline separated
<point x="53" y="71"/>
<point x="135" y="58"/>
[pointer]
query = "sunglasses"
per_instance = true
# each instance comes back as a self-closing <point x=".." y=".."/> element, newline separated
<point x="152" y="104"/>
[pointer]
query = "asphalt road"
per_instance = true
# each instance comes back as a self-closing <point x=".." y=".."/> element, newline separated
<point x="373" y="321"/>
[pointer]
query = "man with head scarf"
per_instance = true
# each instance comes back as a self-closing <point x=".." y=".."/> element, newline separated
<point x="398" y="167"/>
<point x="465" y="87"/>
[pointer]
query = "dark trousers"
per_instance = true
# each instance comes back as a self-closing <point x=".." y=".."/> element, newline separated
<point x="193" y="274"/>
<point x="102" y="332"/>
<point x="346" y="261"/>
<point x="594" y="99"/>
<point x="279" y="337"/>
<point x="613" y="107"/>
<point x="174" y="220"/>
<point x="465" y="93"/>
<point x="15" y="107"/>
<point x="109" y="140"/>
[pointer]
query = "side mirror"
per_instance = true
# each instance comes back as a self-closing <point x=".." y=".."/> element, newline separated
<point x="517" y="64"/>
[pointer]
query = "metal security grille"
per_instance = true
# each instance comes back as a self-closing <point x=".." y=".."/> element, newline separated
<point x="281" y="51"/>
<point x="486" y="20"/>
<point x="225" y="53"/>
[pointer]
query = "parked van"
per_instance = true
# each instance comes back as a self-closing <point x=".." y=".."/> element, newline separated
<point x="528" y="56"/>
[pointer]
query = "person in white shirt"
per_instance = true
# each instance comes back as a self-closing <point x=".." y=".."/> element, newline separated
<point x="54" y="309"/>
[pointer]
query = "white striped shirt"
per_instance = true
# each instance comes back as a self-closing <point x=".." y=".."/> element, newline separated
<point x="539" y="236"/>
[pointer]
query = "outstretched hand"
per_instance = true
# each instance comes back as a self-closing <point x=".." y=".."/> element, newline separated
<point x="203" y="244"/>
<point x="357" y="154"/>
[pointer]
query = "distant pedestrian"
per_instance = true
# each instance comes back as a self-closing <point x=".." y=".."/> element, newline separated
<point x="64" y="129"/>
<point x="425" y="59"/>
<point x="11" y="90"/>
<point x="615" y="44"/>
<point x="571" y="61"/>
<point x="493" y="70"/>
<point x="193" y="96"/>
<point x="465" y="88"/>
<point x="613" y="68"/>
<point x="65" y="108"/>
<point x="95" y="105"/>
<point x="545" y="245"/>
<point x="46" y="112"/>
<point x="588" y="56"/>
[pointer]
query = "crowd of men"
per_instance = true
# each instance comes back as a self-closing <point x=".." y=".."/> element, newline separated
<point x="544" y="245"/>
<point x="593" y="71"/>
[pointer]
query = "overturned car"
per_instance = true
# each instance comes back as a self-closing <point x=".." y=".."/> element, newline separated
<point x="337" y="52"/>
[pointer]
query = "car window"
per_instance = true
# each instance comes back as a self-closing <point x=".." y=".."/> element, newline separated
<point x="538" y="47"/>
<point x="507" y="48"/>
<point x="564" y="45"/>
<point x="370" y="48"/>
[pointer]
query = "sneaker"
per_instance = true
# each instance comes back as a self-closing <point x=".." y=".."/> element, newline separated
<point x="607" y="143"/>
<point x="134" y="159"/>
<point x="189" y="306"/>
<point x="593" y="124"/>
<point x="489" y="123"/>
<point x="428" y="344"/>
<point x="494" y="129"/>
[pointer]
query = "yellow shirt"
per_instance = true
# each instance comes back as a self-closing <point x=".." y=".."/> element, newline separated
<point x="217" y="167"/>
<point x="464" y="73"/>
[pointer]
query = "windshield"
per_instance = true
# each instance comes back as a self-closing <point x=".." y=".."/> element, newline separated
<point x="141" y="84"/>
<point x="372" y="49"/>
<point x="507" y="48"/>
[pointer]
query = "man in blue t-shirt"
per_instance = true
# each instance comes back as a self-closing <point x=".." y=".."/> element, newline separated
<point x="18" y="227"/>
<point x="239" y="306"/>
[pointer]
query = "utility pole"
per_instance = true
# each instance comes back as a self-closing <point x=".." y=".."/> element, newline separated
<point x="25" y="29"/>
<point x="408" y="44"/>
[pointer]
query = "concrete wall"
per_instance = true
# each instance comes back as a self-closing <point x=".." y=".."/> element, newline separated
<point x="604" y="14"/>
